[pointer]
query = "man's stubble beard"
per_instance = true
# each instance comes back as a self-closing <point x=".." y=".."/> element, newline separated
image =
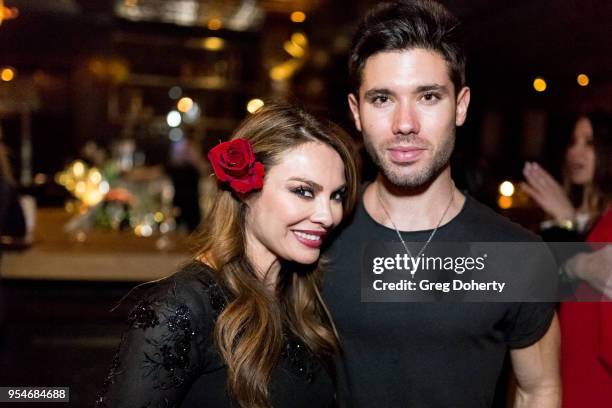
<point x="416" y="178"/>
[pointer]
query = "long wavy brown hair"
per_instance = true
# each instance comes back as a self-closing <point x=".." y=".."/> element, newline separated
<point x="597" y="193"/>
<point x="250" y="331"/>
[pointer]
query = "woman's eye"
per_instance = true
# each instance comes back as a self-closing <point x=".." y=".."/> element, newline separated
<point x="339" y="195"/>
<point x="303" y="192"/>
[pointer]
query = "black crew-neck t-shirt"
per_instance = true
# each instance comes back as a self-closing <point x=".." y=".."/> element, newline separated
<point x="425" y="354"/>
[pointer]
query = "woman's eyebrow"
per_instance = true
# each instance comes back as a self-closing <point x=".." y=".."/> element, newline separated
<point x="312" y="184"/>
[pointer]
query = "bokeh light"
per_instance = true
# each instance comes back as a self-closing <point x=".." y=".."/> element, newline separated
<point x="539" y="84"/>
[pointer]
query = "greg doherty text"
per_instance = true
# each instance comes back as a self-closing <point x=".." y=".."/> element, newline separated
<point x="428" y="286"/>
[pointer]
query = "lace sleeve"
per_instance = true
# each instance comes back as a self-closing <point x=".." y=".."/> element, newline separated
<point x="160" y="354"/>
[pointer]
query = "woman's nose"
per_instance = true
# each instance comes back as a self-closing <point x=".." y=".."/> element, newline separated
<point x="323" y="213"/>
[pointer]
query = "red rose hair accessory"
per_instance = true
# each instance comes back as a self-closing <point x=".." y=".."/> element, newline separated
<point x="234" y="162"/>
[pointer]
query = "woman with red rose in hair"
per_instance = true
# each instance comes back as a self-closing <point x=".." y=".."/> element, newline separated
<point x="244" y="325"/>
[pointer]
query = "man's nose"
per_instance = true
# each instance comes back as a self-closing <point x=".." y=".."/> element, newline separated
<point x="405" y="120"/>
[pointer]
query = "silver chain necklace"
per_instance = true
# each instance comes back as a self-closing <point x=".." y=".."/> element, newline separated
<point x="399" y="235"/>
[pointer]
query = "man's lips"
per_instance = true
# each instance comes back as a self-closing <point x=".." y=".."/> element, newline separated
<point x="405" y="154"/>
<point x="310" y="238"/>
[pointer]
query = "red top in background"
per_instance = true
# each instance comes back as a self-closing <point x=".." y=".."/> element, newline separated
<point x="586" y="342"/>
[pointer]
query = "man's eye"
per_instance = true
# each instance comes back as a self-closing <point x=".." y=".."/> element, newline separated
<point x="303" y="192"/>
<point x="431" y="97"/>
<point x="380" y="99"/>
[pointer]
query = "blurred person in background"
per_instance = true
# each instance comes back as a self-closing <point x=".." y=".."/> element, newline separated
<point x="185" y="167"/>
<point x="244" y="323"/>
<point x="12" y="219"/>
<point x="581" y="208"/>
<point x="584" y="195"/>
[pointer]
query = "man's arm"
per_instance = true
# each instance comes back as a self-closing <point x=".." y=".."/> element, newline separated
<point x="536" y="369"/>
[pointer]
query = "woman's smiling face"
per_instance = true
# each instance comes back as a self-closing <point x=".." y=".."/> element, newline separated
<point x="299" y="204"/>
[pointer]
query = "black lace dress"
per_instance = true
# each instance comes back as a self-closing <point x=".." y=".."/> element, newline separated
<point x="167" y="358"/>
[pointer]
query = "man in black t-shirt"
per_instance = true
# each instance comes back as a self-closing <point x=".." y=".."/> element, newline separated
<point x="408" y="70"/>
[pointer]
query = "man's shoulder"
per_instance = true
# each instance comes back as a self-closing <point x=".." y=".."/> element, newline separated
<point x="476" y="222"/>
<point x="488" y="225"/>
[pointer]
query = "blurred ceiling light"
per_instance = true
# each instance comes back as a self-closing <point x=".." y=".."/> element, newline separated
<point x="232" y="15"/>
<point x="78" y="169"/>
<point x="104" y="187"/>
<point x="506" y="189"/>
<point x="299" y="39"/>
<point x="504" y="202"/>
<point x="7" y="13"/>
<point x="193" y="114"/>
<point x="214" y="24"/>
<point x="298" y="16"/>
<point x="285" y="70"/>
<point x="118" y="71"/>
<point x="247" y="15"/>
<point x="175" y="92"/>
<point x="213" y="43"/>
<point x="94" y="176"/>
<point x="254" y="105"/>
<point x="278" y="73"/>
<point x="184" y="104"/>
<point x="40" y="178"/>
<point x="80" y="188"/>
<point x="293" y="49"/>
<point x="92" y="197"/>
<point x="7" y="74"/>
<point x="165" y="227"/>
<point x="583" y="80"/>
<point x="97" y="67"/>
<point x="539" y="84"/>
<point x="173" y="119"/>
<point x="146" y="230"/>
<point x="176" y="134"/>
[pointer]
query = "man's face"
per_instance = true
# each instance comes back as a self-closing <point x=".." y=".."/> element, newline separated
<point x="407" y="112"/>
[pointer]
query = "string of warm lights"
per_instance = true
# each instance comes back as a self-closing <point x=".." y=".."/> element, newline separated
<point x="540" y="84"/>
<point x="84" y="183"/>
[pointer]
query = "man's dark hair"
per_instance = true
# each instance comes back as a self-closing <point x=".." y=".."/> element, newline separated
<point x="404" y="25"/>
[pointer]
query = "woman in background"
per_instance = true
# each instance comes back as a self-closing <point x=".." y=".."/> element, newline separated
<point x="587" y="179"/>
<point x="586" y="328"/>
<point x="244" y="323"/>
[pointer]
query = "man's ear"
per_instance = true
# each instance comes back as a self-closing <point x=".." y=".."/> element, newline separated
<point x="463" y="101"/>
<point x="354" y="105"/>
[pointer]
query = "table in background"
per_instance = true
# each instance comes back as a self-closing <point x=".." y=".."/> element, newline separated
<point x="103" y="256"/>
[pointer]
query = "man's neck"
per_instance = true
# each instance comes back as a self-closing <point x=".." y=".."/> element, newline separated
<point x="413" y="209"/>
